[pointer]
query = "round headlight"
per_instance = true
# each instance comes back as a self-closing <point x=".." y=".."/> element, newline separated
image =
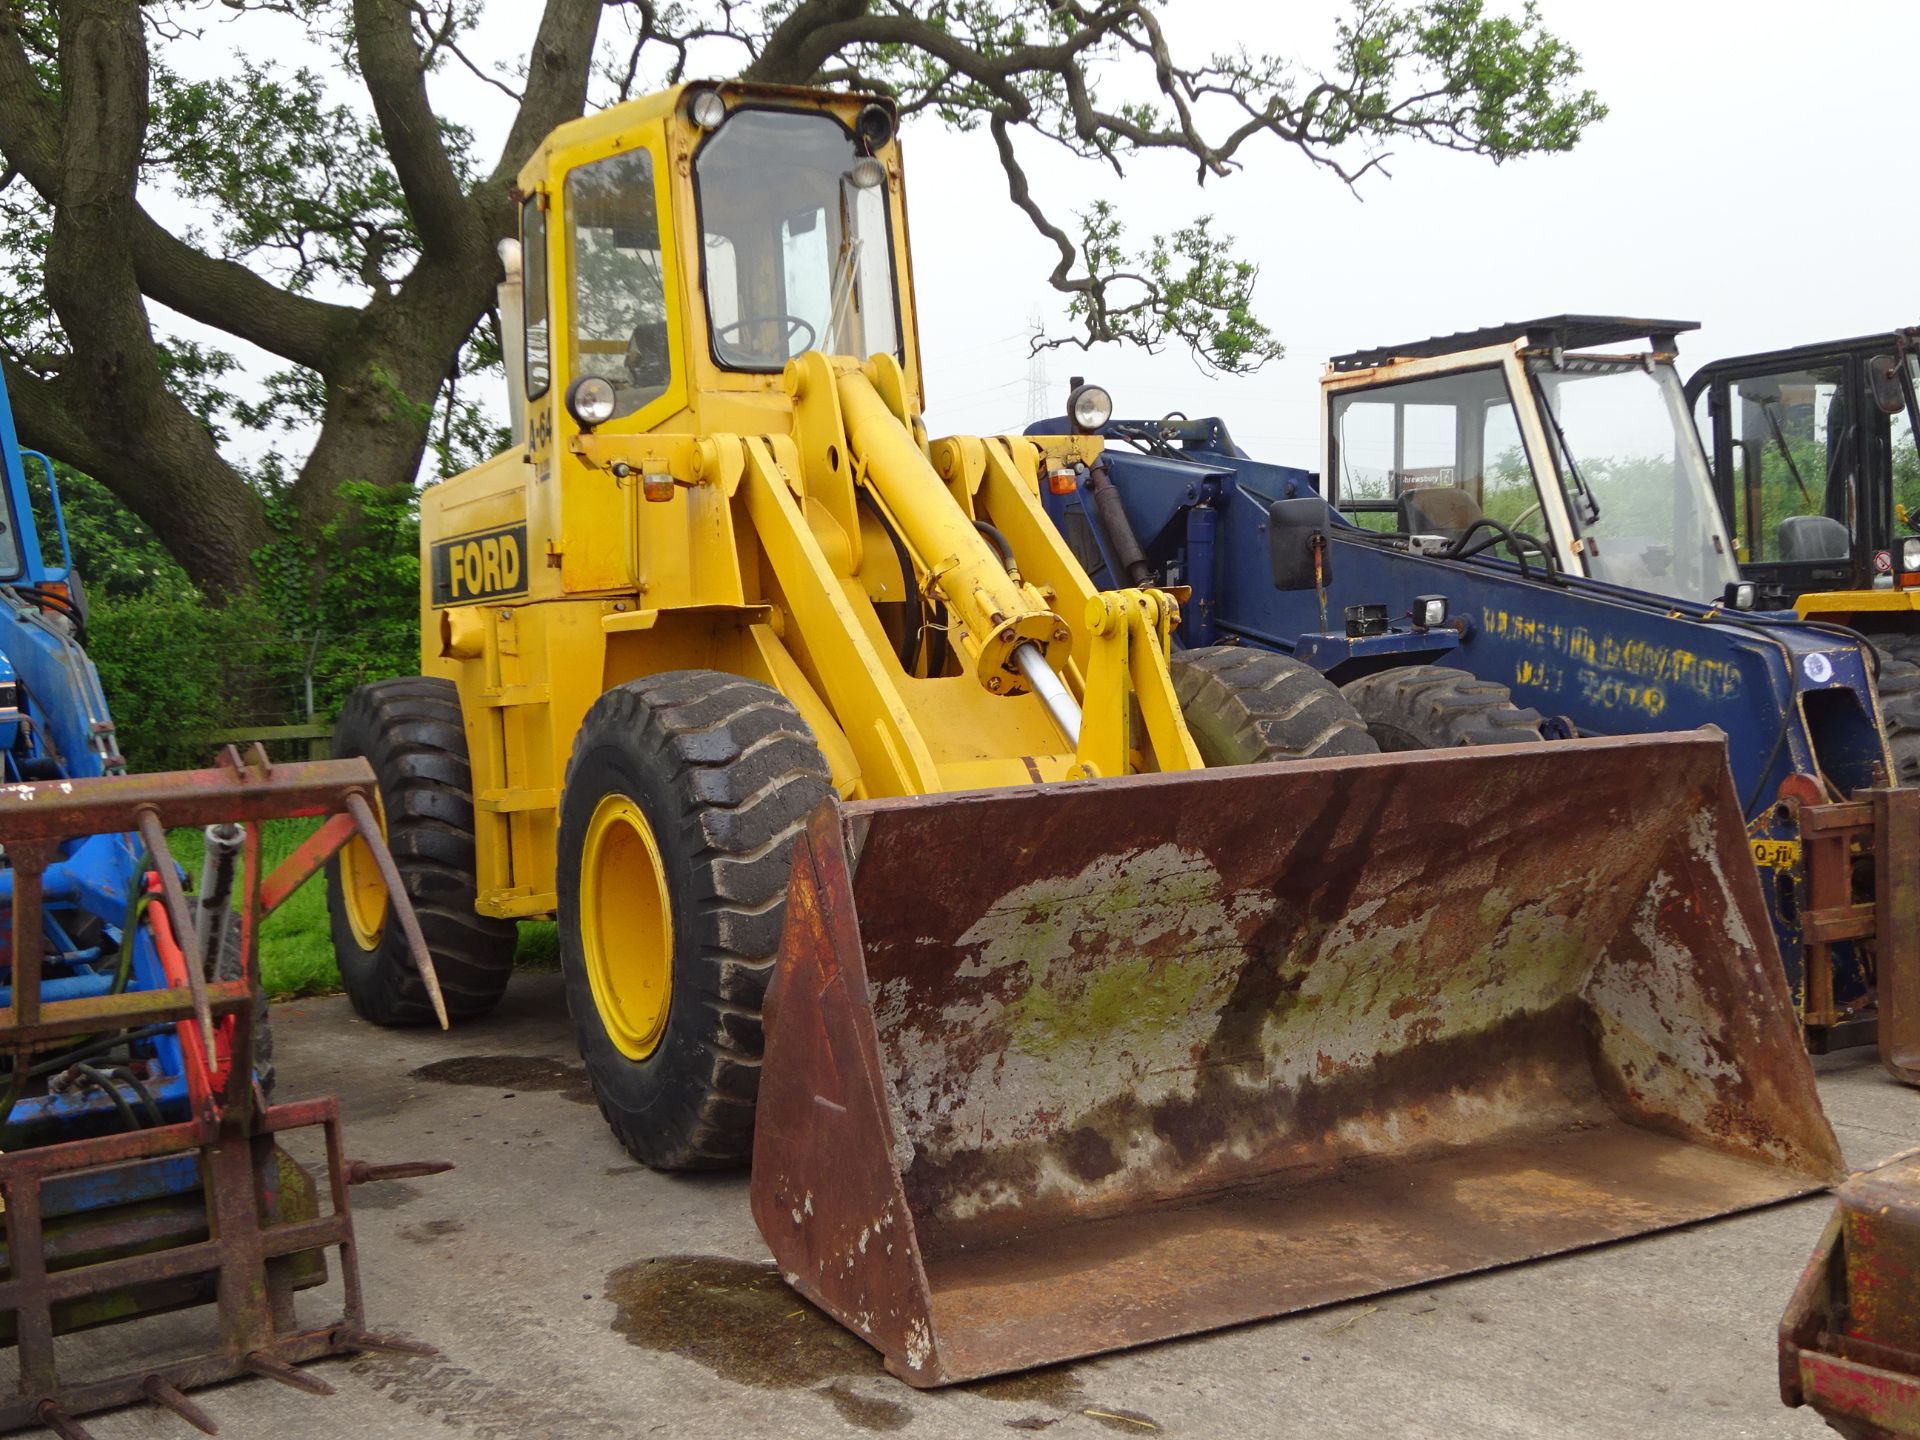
<point x="1089" y="407"/>
<point x="590" y="400"/>
<point x="874" y="126"/>
<point x="706" y="109"/>
<point x="867" y="173"/>
<point x="1910" y="554"/>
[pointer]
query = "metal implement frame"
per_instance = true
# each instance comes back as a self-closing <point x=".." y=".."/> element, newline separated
<point x="251" y="1249"/>
<point x="1847" y="1340"/>
<point x="1881" y="826"/>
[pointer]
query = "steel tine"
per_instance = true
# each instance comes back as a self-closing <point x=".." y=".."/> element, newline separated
<point x="365" y="1172"/>
<point x="261" y="1363"/>
<point x="61" y="1423"/>
<point x="350" y="1339"/>
<point x="167" y="1398"/>
<point x="402" y="906"/>
<point x="185" y="934"/>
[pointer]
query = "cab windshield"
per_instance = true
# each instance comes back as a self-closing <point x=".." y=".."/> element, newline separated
<point x="796" y="251"/>
<point x="1635" y="480"/>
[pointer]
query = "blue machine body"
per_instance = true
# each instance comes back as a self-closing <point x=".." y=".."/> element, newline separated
<point x="1794" y="699"/>
<point x="55" y="726"/>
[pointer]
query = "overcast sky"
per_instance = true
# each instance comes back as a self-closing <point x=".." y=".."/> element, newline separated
<point x="1752" y="176"/>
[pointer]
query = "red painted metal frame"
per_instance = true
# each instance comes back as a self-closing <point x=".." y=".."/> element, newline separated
<point x="251" y="1248"/>
<point x="1850" y="1338"/>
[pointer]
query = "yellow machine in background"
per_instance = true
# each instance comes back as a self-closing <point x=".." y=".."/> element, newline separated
<point x="727" y="665"/>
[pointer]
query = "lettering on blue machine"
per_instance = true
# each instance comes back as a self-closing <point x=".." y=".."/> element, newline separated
<point x="1605" y="670"/>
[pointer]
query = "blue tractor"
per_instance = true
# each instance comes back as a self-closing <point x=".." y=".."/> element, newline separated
<point x="139" y="1165"/>
<point x="1513" y="537"/>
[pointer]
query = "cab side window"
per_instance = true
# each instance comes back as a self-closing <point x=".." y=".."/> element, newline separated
<point x="533" y="281"/>
<point x="1796" y="453"/>
<point x="1430" y="456"/>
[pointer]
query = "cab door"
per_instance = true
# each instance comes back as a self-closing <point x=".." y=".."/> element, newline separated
<point x="1803" y="463"/>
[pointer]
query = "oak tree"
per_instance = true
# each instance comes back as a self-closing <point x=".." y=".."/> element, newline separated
<point x="353" y="241"/>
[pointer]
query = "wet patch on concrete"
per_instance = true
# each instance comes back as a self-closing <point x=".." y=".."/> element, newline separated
<point x="511" y="1074"/>
<point x="868" y="1412"/>
<point x="385" y="1195"/>
<point x="1129" y="1422"/>
<point x="1058" y="1386"/>
<point x="429" y="1231"/>
<point x="738" y="1319"/>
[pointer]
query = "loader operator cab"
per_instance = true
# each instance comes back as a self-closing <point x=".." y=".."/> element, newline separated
<point x="1521" y="439"/>
<point x="684" y="248"/>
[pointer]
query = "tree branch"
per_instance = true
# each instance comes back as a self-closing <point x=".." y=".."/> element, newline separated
<point x="220" y="293"/>
<point x="158" y="456"/>
<point x="804" y="41"/>
<point x="397" y="81"/>
<point x="558" y="68"/>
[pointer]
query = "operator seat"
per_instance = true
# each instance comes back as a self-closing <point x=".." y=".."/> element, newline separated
<point x="648" y="365"/>
<point x="1814" y="537"/>
<point x="1438" y="510"/>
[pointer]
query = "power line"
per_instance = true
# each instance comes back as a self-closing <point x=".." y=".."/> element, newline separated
<point x="1038" y="383"/>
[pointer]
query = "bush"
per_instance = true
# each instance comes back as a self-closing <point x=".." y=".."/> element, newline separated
<point x="174" y="670"/>
<point x="332" y="614"/>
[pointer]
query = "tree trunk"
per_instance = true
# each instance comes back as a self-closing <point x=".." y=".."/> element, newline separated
<point x="156" y="454"/>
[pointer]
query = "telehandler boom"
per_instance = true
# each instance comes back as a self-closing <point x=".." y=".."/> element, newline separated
<point x="786" y="710"/>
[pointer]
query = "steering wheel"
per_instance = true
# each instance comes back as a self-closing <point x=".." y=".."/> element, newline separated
<point x="1521" y="518"/>
<point x="794" y="323"/>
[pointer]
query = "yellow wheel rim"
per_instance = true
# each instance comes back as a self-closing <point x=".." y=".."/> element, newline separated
<point x="362" y="891"/>
<point x="626" y="926"/>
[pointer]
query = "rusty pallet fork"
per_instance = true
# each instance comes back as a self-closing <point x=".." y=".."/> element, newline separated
<point x="250" y="1233"/>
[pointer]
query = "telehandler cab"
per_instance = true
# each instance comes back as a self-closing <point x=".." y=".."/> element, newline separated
<point x="796" y="717"/>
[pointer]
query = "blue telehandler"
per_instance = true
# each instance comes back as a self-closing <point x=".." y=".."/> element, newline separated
<point x="1513" y="537"/>
<point x="140" y="1167"/>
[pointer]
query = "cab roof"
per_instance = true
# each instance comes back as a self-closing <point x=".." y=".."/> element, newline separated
<point x="615" y="119"/>
<point x="1565" y="332"/>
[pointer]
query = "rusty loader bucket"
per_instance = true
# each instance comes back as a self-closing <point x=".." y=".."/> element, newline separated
<point x="1065" y="1069"/>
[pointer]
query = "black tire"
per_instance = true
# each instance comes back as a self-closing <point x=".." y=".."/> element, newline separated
<point x="725" y="773"/>
<point x="1899" y="690"/>
<point x="410" y="732"/>
<point x="1430" y="707"/>
<point x="1246" y="706"/>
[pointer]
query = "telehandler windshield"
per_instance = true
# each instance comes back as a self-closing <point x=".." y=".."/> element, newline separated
<point x="796" y="247"/>
<point x="1635" y="480"/>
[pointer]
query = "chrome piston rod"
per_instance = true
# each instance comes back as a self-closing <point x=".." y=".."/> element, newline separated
<point x="1053" y="693"/>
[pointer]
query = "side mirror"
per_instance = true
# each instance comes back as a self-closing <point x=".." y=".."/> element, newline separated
<point x="1883" y="377"/>
<point x="1298" y="533"/>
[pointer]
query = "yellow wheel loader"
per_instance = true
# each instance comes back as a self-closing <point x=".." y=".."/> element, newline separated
<point x="796" y="718"/>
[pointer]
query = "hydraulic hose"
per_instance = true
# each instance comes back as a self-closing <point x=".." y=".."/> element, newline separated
<point x="1110" y="514"/>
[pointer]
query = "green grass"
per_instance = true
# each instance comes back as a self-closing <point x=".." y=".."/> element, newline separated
<point x="296" y="951"/>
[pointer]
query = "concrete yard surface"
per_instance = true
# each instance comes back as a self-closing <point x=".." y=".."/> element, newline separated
<point x="577" y="1296"/>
